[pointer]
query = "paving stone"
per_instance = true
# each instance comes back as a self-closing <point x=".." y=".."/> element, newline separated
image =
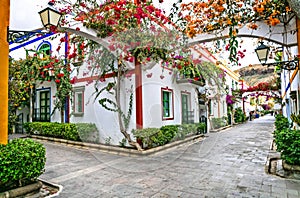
<point x="225" y="164"/>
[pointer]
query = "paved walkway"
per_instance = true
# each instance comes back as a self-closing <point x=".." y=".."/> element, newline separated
<point x="225" y="164"/>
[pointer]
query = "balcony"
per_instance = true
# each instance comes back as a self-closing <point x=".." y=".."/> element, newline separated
<point x="184" y="79"/>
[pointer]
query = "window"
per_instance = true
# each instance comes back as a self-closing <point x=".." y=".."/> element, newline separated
<point x="186" y="114"/>
<point x="78" y="106"/>
<point x="211" y="107"/>
<point x="167" y="104"/>
<point x="45" y="48"/>
<point x="42" y="106"/>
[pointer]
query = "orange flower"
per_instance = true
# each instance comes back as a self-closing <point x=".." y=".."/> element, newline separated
<point x="202" y="5"/>
<point x="259" y="9"/>
<point x="220" y="8"/>
<point x="253" y="26"/>
<point x="274" y="21"/>
<point x="234" y="33"/>
<point x="229" y="22"/>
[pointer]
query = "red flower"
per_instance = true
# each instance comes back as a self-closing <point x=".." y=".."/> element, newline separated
<point x="62" y="39"/>
<point x="131" y="59"/>
<point x="57" y="81"/>
<point x="60" y="75"/>
<point x="112" y="47"/>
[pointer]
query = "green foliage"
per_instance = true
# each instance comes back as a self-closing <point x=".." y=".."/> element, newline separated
<point x="123" y="142"/>
<point x="201" y="128"/>
<point x="152" y="137"/>
<point x="239" y="116"/>
<point x="288" y="143"/>
<point x="219" y="122"/>
<point x="265" y="112"/>
<point x="295" y="118"/>
<point x="22" y="161"/>
<point x="281" y="122"/>
<point x="145" y="136"/>
<point x="86" y="132"/>
<point x="108" y="140"/>
<point x="24" y="74"/>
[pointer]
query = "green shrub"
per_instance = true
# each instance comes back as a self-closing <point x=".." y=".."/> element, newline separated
<point x="144" y="135"/>
<point x="201" y="128"/>
<point x="152" y="137"/>
<point x="281" y="122"/>
<point x="86" y="132"/>
<point x="288" y="143"/>
<point x="219" y="122"/>
<point x="239" y="116"/>
<point x="22" y="161"/>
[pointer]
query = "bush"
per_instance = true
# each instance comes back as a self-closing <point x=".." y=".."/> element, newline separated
<point x="239" y="116"/>
<point x="144" y="135"/>
<point x="288" y="143"/>
<point x="152" y="137"/>
<point x="86" y="132"/>
<point x="201" y="128"/>
<point x="22" y="161"/>
<point x="281" y="122"/>
<point x="219" y="122"/>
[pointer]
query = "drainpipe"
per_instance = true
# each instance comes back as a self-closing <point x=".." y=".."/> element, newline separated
<point x="67" y="104"/>
<point x="298" y="43"/>
<point x="4" y="53"/>
<point x="138" y="90"/>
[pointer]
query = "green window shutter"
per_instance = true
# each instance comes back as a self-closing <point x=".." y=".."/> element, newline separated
<point x="166" y="104"/>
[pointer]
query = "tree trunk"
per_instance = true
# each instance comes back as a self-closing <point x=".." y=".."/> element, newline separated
<point x="31" y="105"/>
<point x="62" y="115"/>
<point x="118" y="102"/>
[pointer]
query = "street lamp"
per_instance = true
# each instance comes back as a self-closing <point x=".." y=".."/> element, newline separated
<point x="262" y="52"/>
<point x="49" y="17"/>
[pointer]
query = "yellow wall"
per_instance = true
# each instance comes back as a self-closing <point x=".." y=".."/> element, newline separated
<point x="4" y="22"/>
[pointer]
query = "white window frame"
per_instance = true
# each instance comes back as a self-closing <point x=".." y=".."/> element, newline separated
<point x="77" y="92"/>
<point x="170" y="102"/>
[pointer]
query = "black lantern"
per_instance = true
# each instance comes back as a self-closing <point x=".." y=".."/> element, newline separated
<point x="49" y="17"/>
<point x="262" y="52"/>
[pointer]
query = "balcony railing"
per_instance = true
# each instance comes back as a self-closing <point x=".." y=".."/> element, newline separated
<point x="181" y="78"/>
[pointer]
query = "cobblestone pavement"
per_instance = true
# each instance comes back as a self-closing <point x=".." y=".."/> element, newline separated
<point x="229" y="163"/>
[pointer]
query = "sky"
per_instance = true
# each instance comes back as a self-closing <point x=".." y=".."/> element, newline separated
<point x="24" y="14"/>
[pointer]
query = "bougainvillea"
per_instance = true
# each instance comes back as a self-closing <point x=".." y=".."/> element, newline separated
<point x="131" y="33"/>
<point x="216" y="15"/>
<point x="38" y="68"/>
<point x="263" y="86"/>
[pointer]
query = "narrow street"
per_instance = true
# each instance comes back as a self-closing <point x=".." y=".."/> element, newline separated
<point x="229" y="163"/>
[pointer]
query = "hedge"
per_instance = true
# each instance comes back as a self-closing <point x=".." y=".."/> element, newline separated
<point x="288" y="143"/>
<point x="86" y="132"/>
<point x="153" y="137"/>
<point x="287" y="140"/>
<point x="22" y="161"/>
